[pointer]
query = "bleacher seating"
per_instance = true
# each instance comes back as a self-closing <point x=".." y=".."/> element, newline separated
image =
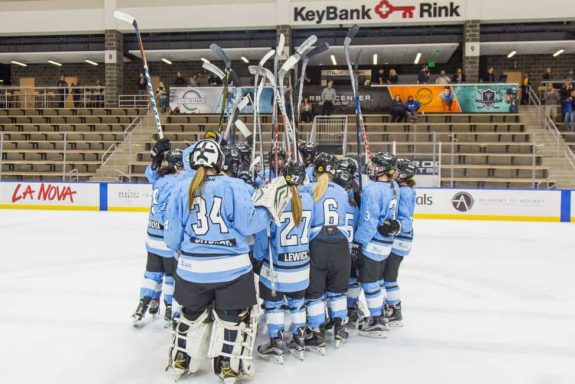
<point x="34" y="140"/>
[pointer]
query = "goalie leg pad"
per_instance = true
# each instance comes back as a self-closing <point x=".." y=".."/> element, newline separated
<point x="192" y="338"/>
<point x="233" y="337"/>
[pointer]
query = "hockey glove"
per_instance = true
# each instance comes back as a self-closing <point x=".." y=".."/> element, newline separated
<point x="390" y="228"/>
<point x="256" y="264"/>
<point x="355" y="255"/>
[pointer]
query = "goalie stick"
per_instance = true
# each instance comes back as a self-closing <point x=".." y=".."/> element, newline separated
<point x="132" y="21"/>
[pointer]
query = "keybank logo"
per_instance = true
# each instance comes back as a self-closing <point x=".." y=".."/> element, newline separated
<point x="385" y="10"/>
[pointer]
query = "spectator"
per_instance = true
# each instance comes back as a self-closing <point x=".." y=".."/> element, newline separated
<point x="423" y="75"/>
<point x="459" y="77"/>
<point x="62" y="90"/>
<point x="489" y="76"/>
<point x="570" y="75"/>
<point x="547" y="76"/>
<point x="442" y="78"/>
<point x="525" y="87"/>
<point x="163" y="96"/>
<point x="564" y="93"/>
<point x="447" y="99"/>
<point x="551" y="99"/>
<point x="306" y="110"/>
<point x="397" y="110"/>
<point x="503" y="78"/>
<point x="77" y="94"/>
<point x="328" y="96"/>
<point x="393" y="77"/>
<point x="214" y="81"/>
<point x="142" y="85"/>
<point x="569" y="110"/>
<point x="193" y="81"/>
<point x="380" y="77"/>
<point x="306" y="80"/>
<point x="99" y="93"/>
<point x="180" y="81"/>
<point x="411" y="107"/>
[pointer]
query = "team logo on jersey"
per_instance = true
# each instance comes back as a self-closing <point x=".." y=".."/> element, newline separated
<point x="462" y="201"/>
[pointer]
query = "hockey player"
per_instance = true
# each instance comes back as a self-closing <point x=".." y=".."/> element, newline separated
<point x="402" y="242"/>
<point x="329" y="256"/>
<point x="208" y="221"/>
<point x="160" y="263"/>
<point x="270" y="173"/>
<point x="284" y="278"/>
<point x="372" y="243"/>
<point x="308" y="150"/>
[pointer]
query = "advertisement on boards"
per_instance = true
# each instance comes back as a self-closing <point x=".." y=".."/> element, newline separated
<point x="50" y="195"/>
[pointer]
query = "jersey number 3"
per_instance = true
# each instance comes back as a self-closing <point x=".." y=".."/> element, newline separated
<point x="205" y="220"/>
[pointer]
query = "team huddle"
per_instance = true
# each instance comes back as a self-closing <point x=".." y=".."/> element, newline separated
<point x="311" y="236"/>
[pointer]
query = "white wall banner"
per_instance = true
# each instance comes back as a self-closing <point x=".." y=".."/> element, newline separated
<point x="376" y="12"/>
<point x="129" y="197"/>
<point x="209" y="99"/>
<point x="50" y="195"/>
<point x="520" y="205"/>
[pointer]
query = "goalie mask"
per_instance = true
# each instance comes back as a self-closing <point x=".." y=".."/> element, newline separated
<point x="294" y="173"/>
<point x="406" y="169"/>
<point x="206" y="153"/>
<point x="345" y="171"/>
<point x="382" y="163"/>
<point x="175" y="158"/>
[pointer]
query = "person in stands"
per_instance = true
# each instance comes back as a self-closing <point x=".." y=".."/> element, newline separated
<point x="411" y="107"/>
<point x="328" y="96"/>
<point x="380" y="77"/>
<point x="489" y="77"/>
<point x="442" y="78"/>
<point x="459" y="77"/>
<point x="141" y="84"/>
<point x="163" y="96"/>
<point x="551" y="99"/>
<point x="393" y="77"/>
<point x="423" y="75"/>
<point x="306" y="110"/>
<point x="62" y="90"/>
<point x="180" y="81"/>
<point x="398" y="110"/>
<point x="547" y="75"/>
<point x="525" y="89"/>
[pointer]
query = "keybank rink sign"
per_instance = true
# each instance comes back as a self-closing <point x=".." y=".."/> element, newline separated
<point x="376" y="12"/>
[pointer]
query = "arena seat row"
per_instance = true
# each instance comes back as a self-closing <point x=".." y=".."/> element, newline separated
<point x="14" y="112"/>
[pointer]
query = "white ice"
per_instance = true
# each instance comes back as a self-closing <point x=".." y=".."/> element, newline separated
<point x="484" y="302"/>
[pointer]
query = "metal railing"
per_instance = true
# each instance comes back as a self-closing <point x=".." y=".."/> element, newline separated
<point x="73" y="175"/>
<point x="121" y="175"/>
<point x="133" y="101"/>
<point x="12" y="97"/>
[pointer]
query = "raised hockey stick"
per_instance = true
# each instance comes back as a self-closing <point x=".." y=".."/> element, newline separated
<point x="275" y="125"/>
<point x="311" y="54"/>
<point x="230" y="73"/>
<point x="131" y="20"/>
<point x="258" y="89"/>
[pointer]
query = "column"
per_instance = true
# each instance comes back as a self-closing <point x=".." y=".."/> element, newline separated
<point x="114" y="67"/>
<point x="471" y="33"/>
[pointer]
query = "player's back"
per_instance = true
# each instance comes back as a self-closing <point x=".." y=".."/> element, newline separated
<point x="329" y="210"/>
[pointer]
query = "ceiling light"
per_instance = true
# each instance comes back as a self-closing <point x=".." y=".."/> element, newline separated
<point x="245" y="60"/>
<point x="205" y="60"/>
<point x="511" y="54"/>
<point x="19" y="63"/>
<point x="54" y="63"/>
<point x="91" y="62"/>
<point x="375" y="59"/>
<point x="166" y="61"/>
<point x="333" y="60"/>
<point x="416" y="61"/>
<point x="558" y="52"/>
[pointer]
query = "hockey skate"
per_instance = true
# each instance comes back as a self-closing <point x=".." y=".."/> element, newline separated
<point x="374" y="327"/>
<point x="181" y="365"/>
<point x="223" y="370"/>
<point x="315" y="341"/>
<point x="154" y="307"/>
<point x="296" y="345"/>
<point x="168" y="317"/>
<point x="393" y="315"/>
<point x="328" y="328"/>
<point x="140" y="312"/>
<point x="354" y="316"/>
<point x="273" y="350"/>
<point x="340" y="335"/>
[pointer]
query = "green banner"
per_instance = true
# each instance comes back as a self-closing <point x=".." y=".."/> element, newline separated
<point x="487" y="98"/>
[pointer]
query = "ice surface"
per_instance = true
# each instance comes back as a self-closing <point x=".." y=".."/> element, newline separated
<point x="484" y="302"/>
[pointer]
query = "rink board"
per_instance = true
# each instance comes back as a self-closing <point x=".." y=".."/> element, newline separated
<point x="432" y="203"/>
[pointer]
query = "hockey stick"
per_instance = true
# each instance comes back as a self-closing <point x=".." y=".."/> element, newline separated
<point x="358" y="116"/>
<point x="258" y="89"/>
<point x="279" y="51"/>
<point x="131" y="20"/>
<point x="311" y="54"/>
<point x="229" y="73"/>
<point x="213" y="69"/>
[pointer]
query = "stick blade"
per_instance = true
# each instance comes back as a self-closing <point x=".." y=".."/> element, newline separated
<point x="123" y="16"/>
<point x="306" y="44"/>
<point x="215" y="48"/>
<point x="351" y="34"/>
<point x="213" y="69"/>
<point x="281" y="44"/>
<point x="267" y="57"/>
<point x="318" y="50"/>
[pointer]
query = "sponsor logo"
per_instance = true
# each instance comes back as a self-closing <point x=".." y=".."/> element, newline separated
<point x="424" y="96"/>
<point x="425" y="199"/>
<point x="46" y="192"/>
<point x="384" y="10"/>
<point x="192" y="100"/>
<point x="487" y="99"/>
<point x="462" y="201"/>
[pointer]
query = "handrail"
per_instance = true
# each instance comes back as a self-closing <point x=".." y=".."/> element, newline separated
<point x="133" y="101"/>
<point x="548" y="181"/>
<point x="122" y="174"/>
<point x="73" y="174"/>
<point x="130" y="128"/>
<point x="107" y="155"/>
<point x="19" y="97"/>
<point x="533" y="98"/>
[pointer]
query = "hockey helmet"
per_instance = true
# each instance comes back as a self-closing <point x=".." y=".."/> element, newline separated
<point x="207" y="153"/>
<point x="294" y="173"/>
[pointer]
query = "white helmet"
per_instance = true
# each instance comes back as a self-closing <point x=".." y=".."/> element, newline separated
<point x="206" y="153"/>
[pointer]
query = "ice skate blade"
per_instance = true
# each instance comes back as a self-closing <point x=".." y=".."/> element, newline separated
<point x="272" y="358"/>
<point x="182" y="376"/>
<point x="167" y="323"/>
<point x="339" y="342"/>
<point x="320" y="350"/>
<point x="374" y="334"/>
<point x="396" y="324"/>
<point x="297" y="354"/>
<point x="230" y="380"/>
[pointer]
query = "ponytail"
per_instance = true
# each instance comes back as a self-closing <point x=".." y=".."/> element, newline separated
<point x="197" y="184"/>
<point x="410" y="183"/>
<point x="296" y="206"/>
<point x="320" y="186"/>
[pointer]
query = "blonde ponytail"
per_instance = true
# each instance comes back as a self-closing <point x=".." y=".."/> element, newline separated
<point x="197" y="184"/>
<point x="296" y="207"/>
<point x="320" y="186"/>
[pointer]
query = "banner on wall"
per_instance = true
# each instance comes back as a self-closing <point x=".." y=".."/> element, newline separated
<point x="129" y="197"/>
<point x="209" y="99"/>
<point x="50" y="195"/>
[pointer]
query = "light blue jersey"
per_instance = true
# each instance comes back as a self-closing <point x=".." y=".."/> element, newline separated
<point x="289" y="247"/>
<point x="351" y="215"/>
<point x="161" y="191"/>
<point x="330" y="210"/>
<point x="212" y="235"/>
<point x="378" y="203"/>
<point x="402" y="242"/>
<point x="309" y="173"/>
